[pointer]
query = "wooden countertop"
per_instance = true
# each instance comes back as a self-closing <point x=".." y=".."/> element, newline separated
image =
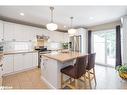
<point x="63" y="57"/>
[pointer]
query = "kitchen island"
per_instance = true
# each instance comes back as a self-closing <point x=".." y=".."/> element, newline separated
<point x="51" y="64"/>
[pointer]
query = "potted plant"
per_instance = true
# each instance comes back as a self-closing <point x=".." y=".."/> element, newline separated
<point x="65" y="45"/>
<point x="123" y="71"/>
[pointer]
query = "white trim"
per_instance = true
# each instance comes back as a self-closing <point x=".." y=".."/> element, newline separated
<point x="49" y="84"/>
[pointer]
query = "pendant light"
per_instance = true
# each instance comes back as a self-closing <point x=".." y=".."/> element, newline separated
<point x="71" y="30"/>
<point x="51" y="26"/>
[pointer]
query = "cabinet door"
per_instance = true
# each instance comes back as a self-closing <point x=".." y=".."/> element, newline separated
<point x="49" y="70"/>
<point x="35" y="59"/>
<point x="18" y="62"/>
<point x="8" y="64"/>
<point x="1" y="31"/>
<point x="19" y="32"/>
<point x="28" y="60"/>
<point x="8" y="31"/>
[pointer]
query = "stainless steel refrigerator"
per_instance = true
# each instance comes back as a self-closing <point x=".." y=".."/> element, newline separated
<point x="75" y="43"/>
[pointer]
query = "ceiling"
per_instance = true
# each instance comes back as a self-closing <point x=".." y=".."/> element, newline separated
<point x="84" y="16"/>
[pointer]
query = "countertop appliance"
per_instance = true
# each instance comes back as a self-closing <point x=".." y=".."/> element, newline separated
<point x="75" y="43"/>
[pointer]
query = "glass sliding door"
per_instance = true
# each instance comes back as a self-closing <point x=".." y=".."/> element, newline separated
<point x="104" y="46"/>
<point x="99" y="47"/>
<point x="110" y="48"/>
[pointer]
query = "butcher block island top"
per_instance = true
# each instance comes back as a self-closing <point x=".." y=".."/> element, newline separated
<point x="63" y="57"/>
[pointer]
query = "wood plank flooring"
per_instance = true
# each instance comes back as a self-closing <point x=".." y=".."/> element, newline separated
<point x="26" y="80"/>
<point x="107" y="78"/>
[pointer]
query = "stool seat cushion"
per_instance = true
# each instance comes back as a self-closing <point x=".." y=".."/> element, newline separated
<point x="70" y="71"/>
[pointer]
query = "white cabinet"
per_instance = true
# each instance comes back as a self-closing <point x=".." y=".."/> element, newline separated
<point x="7" y="64"/>
<point x="18" y="62"/>
<point x="19" y="32"/>
<point x="25" y="33"/>
<point x="28" y="60"/>
<point x="1" y="31"/>
<point x="8" y="31"/>
<point x="25" y="61"/>
<point x="49" y="70"/>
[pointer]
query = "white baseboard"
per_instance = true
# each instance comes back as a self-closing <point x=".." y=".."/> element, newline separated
<point x="49" y="85"/>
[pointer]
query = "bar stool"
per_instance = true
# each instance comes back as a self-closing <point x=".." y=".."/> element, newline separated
<point x="90" y="68"/>
<point x="74" y="72"/>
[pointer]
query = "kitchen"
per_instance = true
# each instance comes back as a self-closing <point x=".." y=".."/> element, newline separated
<point x="40" y="51"/>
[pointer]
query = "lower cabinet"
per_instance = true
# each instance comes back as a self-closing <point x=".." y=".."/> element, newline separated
<point x="19" y="62"/>
<point x="8" y="64"/>
<point x="49" y="70"/>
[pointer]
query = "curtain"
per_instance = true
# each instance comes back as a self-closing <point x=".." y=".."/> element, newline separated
<point x="89" y="41"/>
<point x="118" y="46"/>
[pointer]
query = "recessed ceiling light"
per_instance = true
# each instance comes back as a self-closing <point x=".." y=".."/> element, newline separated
<point x="91" y="18"/>
<point x="22" y="14"/>
<point x="65" y="26"/>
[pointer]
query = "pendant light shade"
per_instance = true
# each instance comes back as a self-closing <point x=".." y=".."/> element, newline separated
<point x="51" y="26"/>
<point x="71" y="31"/>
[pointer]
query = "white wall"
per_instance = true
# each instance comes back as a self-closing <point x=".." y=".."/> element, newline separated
<point x="124" y="22"/>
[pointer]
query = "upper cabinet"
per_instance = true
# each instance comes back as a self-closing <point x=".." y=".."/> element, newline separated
<point x="18" y="32"/>
<point x="1" y="31"/>
<point x="25" y="33"/>
<point x="8" y="31"/>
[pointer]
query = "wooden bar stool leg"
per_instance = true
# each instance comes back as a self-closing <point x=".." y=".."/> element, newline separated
<point x="89" y="79"/>
<point x="84" y="80"/>
<point x="94" y="76"/>
<point x="70" y="80"/>
<point x="76" y="83"/>
<point x="61" y="80"/>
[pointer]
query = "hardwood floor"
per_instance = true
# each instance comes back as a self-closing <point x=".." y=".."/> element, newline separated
<point x="25" y="80"/>
<point x="107" y="78"/>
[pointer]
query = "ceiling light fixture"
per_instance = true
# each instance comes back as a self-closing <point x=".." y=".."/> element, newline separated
<point x="65" y="26"/>
<point x="71" y="30"/>
<point x="91" y="18"/>
<point x="22" y="14"/>
<point x="51" y="26"/>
